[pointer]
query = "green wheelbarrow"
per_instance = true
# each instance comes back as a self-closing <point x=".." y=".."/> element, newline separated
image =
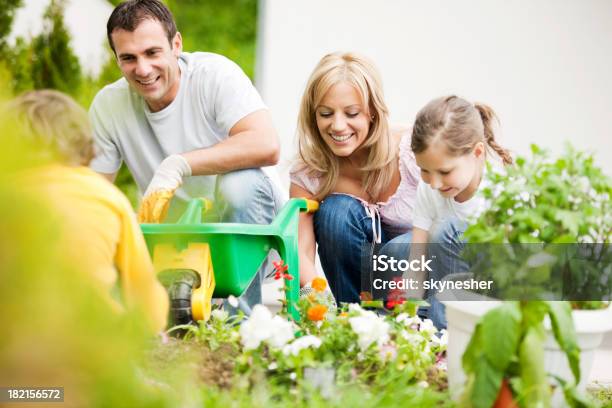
<point x="197" y="261"/>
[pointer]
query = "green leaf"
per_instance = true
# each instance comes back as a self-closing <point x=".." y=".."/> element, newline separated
<point x="500" y="332"/>
<point x="570" y="220"/>
<point x="536" y="391"/>
<point x="564" y="239"/>
<point x="487" y="383"/>
<point x="573" y="397"/>
<point x="563" y="328"/>
<point x="473" y="351"/>
<point x="533" y="313"/>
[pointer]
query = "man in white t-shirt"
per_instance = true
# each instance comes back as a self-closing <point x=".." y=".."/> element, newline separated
<point x="191" y="124"/>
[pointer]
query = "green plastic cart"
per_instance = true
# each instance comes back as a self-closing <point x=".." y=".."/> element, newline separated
<point x="197" y="261"/>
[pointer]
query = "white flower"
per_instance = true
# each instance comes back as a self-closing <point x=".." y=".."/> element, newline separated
<point x="354" y="307"/>
<point x="401" y="317"/>
<point x="273" y="366"/>
<point x="293" y="376"/>
<point x="497" y="190"/>
<point x="423" y="384"/>
<point x="283" y="332"/>
<point x="510" y="211"/>
<point x="369" y="329"/>
<point x="219" y="314"/>
<point x="413" y="322"/>
<point x="412" y="337"/>
<point x="232" y="300"/>
<point x="427" y="326"/>
<point x="298" y="345"/>
<point x="524" y="196"/>
<point x="388" y="352"/>
<point x="442" y="341"/>
<point x="261" y="326"/>
<point x="584" y="184"/>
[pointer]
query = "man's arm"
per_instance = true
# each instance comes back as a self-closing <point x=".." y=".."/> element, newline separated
<point x="253" y="142"/>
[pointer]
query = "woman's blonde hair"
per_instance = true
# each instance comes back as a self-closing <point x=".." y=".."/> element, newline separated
<point x="54" y="123"/>
<point x="315" y="155"/>
<point x="457" y="122"/>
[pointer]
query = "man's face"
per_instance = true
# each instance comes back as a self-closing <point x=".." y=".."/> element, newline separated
<point x="149" y="63"/>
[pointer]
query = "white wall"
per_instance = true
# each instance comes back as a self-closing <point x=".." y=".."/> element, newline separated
<point x="545" y="66"/>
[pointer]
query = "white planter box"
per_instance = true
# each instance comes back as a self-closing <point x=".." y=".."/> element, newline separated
<point x="462" y="317"/>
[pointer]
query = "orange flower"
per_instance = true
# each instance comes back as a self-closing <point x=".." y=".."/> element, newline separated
<point x="319" y="284"/>
<point x="343" y="314"/>
<point x="316" y="313"/>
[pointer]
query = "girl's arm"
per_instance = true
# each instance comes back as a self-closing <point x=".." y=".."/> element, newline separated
<point x="418" y="248"/>
<point x="306" y="238"/>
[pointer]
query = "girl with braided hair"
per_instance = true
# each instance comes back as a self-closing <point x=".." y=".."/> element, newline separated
<point x="451" y="141"/>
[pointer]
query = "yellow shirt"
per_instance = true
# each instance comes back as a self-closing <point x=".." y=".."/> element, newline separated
<point x="99" y="231"/>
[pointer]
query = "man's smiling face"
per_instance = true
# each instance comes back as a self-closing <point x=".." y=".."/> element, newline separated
<point x="149" y="62"/>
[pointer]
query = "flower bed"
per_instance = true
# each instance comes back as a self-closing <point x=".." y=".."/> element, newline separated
<point x="330" y="356"/>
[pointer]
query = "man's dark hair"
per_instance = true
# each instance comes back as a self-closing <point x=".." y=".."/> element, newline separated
<point x="129" y="14"/>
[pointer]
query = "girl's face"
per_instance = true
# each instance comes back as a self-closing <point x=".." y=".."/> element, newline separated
<point x="453" y="176"/>
<point x="343" y="119"/>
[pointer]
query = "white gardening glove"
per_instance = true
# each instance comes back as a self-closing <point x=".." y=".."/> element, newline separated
<point x="167" y="178"/>
<point x="323" y="292"/>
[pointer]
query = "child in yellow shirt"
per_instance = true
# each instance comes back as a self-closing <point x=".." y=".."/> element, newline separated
<point x="99" y="229"/>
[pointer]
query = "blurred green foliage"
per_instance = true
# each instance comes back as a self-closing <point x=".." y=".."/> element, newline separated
<point x="35" y="65"/>
<point x="7" y="13"/>
<point x="225" y="27"/>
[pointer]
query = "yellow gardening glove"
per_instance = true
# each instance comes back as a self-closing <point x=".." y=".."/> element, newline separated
<point x="167" y="178"/>
<point x="154" y="207"/>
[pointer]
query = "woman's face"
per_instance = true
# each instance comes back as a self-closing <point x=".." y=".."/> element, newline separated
<point x="342" y="119"/>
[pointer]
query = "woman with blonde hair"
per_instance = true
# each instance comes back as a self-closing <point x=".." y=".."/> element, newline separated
<point x="99" y="232"/>
<point x="359" y="167"/>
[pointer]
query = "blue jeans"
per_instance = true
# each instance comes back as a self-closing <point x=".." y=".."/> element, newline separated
<point x="343" y="231"/>
<point x="243" y="196"/>
<point x="344" y="235"/>
<point x="446" y="244"/>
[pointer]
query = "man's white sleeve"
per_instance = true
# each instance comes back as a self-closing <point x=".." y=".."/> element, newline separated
<point x="423" y="209"/>
<point x="107" y="156"/>
<point x="235" y="96"/>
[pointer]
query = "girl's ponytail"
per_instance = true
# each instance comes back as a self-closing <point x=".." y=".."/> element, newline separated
<point x="488" y="116"/>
